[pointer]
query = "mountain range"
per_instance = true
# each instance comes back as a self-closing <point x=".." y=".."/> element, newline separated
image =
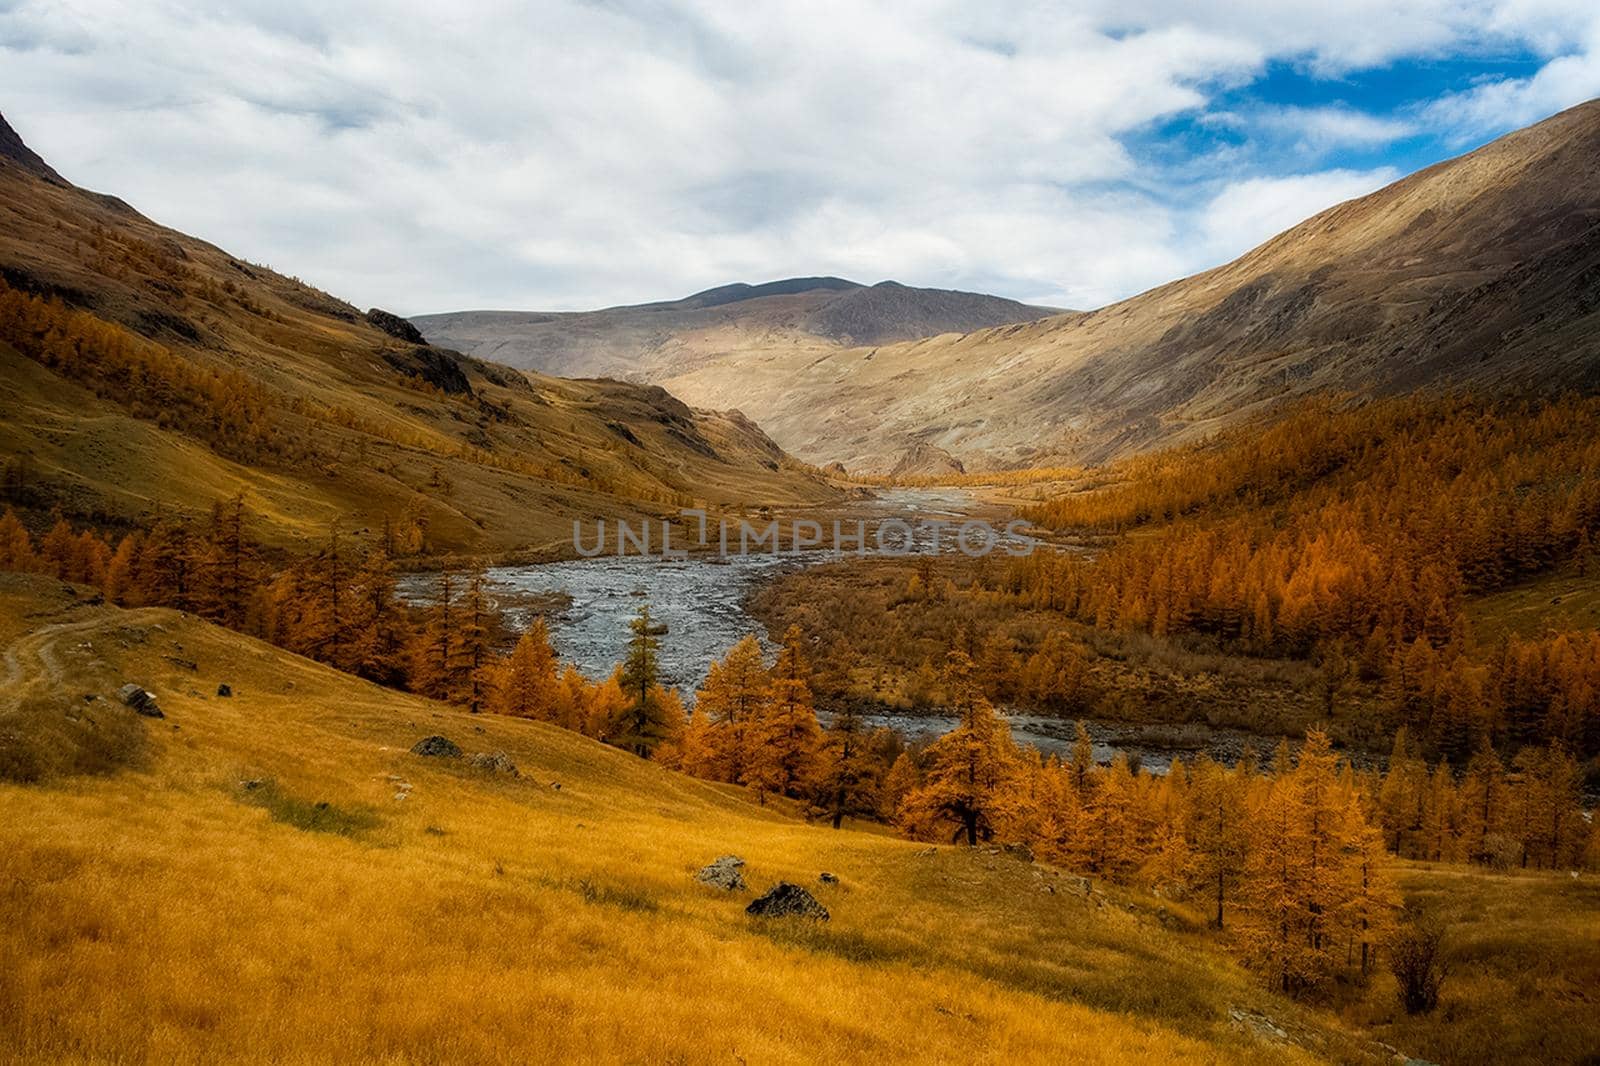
<point x="1482" y="271"/>
<point x="662" y="341"/>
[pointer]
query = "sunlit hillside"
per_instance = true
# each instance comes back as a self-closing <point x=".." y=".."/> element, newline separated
<point x="274" y="874"/>
<point x="145" y="371"/>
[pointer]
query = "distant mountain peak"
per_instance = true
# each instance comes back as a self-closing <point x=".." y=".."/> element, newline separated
<point x="727" y="294"/>
<point x="14" y="150"/>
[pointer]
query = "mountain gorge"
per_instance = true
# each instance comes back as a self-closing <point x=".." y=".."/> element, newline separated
<point x="147" y="372"/>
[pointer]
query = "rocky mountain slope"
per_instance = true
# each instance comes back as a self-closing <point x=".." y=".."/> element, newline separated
<point x="657" y="341"/>
<point x="1482" y="271"/>
<point x="146" y="371"/>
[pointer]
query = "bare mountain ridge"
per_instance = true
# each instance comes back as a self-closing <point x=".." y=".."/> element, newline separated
<point x="1482" y="271"/>
<point x="364" y="421"/>
<point x="13" y="149"/>
<point x="650" y="342"/>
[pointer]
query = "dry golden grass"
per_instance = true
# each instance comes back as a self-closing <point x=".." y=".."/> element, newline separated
<point x="1523" y="955"/>
<point x="1556" y="603"/>
<point x="167" y="913"/>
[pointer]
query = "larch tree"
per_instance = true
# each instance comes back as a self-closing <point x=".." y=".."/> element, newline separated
<point x="471" y="662"/>
<point x="782" y="742"/>
<point x="968" y="768"/>
<point x="903" y="779"/>
<point x="1219" y="834"/>
<point x="16" y="546"/>
<point x="430" y="648"/>
<point x="849" y="773"/>
<point x="1274" y="923"/>
<point x="527" y="683"/>
<point x="735" y="691"/>
<point x="380" y="628"/>
<point x="1371" y="900"/>
<point x="647" y="717"/>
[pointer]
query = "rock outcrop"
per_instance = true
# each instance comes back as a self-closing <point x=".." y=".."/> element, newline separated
<point x="726" y="873"/>
<point x="436" y="747"/>
<point x="141" y="701"/>
<point x="785" y="900"/>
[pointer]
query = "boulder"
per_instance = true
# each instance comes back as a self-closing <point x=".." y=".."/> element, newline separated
<point x="436" y="747"/>
<point x="495" y="762"/>
<point x="225" y="689"/>
<point x="785" y="900"/>
<point x="141" y="701"/>
<point x="725" y="874"/>
<point x="1021" y="852"/>
<point x="828" y="879"/>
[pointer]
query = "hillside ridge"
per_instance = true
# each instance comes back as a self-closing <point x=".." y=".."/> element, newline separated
<point x="147" y="372"/>
<point x="1480" y="272"/>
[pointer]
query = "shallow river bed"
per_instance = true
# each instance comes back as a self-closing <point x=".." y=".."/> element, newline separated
<point x="588" y="604"/>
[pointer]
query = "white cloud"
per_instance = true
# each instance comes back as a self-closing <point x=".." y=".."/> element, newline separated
<point x="1509" y="102"/>
<point x="576" y="154"/>
<point x="1323" y="128"/>
<point x="1248" y="212"/>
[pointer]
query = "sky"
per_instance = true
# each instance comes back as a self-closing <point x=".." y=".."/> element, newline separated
<point x="559" y="156"/>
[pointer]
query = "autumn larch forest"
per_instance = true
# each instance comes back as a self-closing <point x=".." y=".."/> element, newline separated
<point x="322" y="740"/>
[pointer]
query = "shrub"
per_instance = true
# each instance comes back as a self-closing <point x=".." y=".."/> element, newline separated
<point x="1415" y="960"/>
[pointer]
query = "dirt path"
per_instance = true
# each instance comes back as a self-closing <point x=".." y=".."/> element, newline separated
<point x="39" y="659"/>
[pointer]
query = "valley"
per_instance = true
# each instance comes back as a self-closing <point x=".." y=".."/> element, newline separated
<point x="433" y="910"/>
<point x="326" y="736"/>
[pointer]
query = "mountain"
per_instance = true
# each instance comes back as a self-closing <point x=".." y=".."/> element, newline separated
<point x="1482" y="271"/>
<point x="145" y="371"/>
<point x="657" y="341"/>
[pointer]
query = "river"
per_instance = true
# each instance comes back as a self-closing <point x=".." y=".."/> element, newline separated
<point x="588" y="604"/>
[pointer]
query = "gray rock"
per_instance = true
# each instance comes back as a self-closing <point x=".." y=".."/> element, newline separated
<point x="1018" y="851"/>
<point x="225" y="689"/>
<point x="785" y="900"/>
<point x="141" y="701"/>
<point x="826" y="878"/>
<point x="495" y="762"/>
<point x="436" y="747"/>
<point x="725" y="874"/>
<point x="1257" y="1024"/>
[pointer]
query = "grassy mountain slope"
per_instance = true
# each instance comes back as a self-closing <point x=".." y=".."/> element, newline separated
<point x="727" y="325"/>
<point x="1482" y="271"/>
<point x="348" y="416"/>
<point x="358" y="902"/>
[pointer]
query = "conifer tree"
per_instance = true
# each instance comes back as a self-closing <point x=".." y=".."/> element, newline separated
<point x="16" y="546"/>
<point x="647" y="717"/>
<point x="380" y="628"/>
<point x="430" y="650"/>
<point x="968" y="768"/>
<point x="783" y="740"/>
<point x="470" y="661"/>
<point x="735" y="690"/>
<point x="849" y="773"/>
<point x="903" y="779"/>
<point x="1371" y="900"/>
<point x="527" y="685"/>
<point x="1219" y="836"/>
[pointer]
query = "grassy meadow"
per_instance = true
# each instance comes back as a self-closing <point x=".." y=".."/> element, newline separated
<point x="274" y="877"/>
